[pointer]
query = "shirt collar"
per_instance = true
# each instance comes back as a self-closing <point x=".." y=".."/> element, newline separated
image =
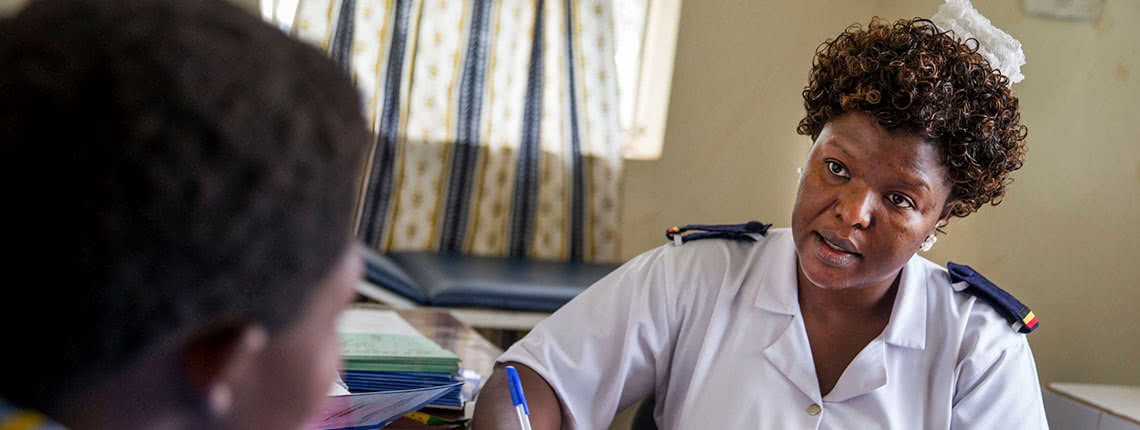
<point x="907" y="327"/>
<point x="776" y="269"/>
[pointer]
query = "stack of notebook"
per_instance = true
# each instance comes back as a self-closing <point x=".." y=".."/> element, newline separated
<point x="364" y="382"/>
<point x="382" y="352"/>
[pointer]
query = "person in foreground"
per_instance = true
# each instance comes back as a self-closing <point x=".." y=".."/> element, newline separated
<point x="179" y="184"/>
<point x="835" y="322"/>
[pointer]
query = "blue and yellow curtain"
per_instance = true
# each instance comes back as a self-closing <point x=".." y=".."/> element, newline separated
<point x="496" y="129"/>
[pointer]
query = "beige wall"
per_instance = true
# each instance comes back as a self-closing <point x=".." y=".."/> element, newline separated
<point x="10" y="7"/>
<point x="1067" y="239"/>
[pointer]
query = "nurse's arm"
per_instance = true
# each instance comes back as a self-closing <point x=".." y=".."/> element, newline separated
<point x="494" y="410"/>
<point x="999" y="390"/>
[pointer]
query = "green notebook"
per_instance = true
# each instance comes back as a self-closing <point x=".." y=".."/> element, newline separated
<point x="395" y="353"/>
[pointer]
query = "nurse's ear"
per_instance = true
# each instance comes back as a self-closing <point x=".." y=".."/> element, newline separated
<point x="947" y="212"/>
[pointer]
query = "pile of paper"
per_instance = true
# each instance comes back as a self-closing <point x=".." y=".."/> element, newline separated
<point x="395" y="353"/>
<point x="382" y="352"/>
<point x="363" y="382"/>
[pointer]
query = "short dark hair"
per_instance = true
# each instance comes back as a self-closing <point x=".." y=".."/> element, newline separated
<point x="912" y="76"/>
<point x="169" y="165"/>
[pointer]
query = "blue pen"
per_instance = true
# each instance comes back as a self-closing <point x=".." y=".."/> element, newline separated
<point x="517" y="397"/>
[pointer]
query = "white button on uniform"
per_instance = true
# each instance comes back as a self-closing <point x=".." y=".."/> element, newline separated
<point x="814" y="409"/>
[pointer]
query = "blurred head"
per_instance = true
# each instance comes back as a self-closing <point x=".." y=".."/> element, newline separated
<point x="180" y="183"/>
<point x="911" y="127"/>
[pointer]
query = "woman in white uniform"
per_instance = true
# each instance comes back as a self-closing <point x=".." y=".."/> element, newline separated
<point x="835" y="322"/>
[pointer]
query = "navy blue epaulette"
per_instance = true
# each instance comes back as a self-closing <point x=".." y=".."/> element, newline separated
<point x="967" y="280"/>
<point x="741" y="232"/>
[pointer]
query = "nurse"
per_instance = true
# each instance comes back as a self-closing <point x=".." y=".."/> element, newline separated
<point x="835" y="322"/>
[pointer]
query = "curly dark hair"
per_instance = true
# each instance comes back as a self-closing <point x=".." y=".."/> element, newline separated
<point x="912" y="76"/>
<point x="169" y="166"/>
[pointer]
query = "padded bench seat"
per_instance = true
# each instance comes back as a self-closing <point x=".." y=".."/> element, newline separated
<point x="455" y="280"/>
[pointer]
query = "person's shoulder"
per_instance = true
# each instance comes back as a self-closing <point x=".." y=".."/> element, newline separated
<point x="987" y="319"/>
<point x="706" y="255"/>
<point x="12" y="417"/>
<point x="716" y="247"/>
<point x="714" y="267"/>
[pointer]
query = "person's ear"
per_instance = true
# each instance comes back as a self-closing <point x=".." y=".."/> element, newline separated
<point x="218" y="359"/>
<point x="947" y="212"/>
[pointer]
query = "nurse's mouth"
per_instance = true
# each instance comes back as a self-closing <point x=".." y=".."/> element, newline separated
<point x="835" y="250"/>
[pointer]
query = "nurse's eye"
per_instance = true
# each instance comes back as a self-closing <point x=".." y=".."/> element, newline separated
<point x="837" y="168"/>
<point x="900" y="200"/>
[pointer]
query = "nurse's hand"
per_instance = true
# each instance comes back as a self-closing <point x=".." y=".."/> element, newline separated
<point x="493" y="408"/>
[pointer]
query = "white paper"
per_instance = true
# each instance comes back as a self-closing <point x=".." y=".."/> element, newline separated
<point x="338" y="387"/>
<point x="373" y="410"/>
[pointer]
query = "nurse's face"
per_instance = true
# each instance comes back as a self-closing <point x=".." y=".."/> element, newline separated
<point x="866" y="201"/>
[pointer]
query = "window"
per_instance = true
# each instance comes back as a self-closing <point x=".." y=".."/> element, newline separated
<point x="280" y="13"/>
<point x="645" y="38"/>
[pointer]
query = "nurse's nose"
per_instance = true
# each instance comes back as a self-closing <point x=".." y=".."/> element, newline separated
<point x="855" y="206"/>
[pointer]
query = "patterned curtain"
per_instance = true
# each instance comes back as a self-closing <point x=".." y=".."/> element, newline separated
<point x="496" y="129"/>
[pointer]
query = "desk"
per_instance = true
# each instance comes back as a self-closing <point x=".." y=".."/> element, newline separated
<point x="1092" y="406"/>
<point x="475" y="352"/>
